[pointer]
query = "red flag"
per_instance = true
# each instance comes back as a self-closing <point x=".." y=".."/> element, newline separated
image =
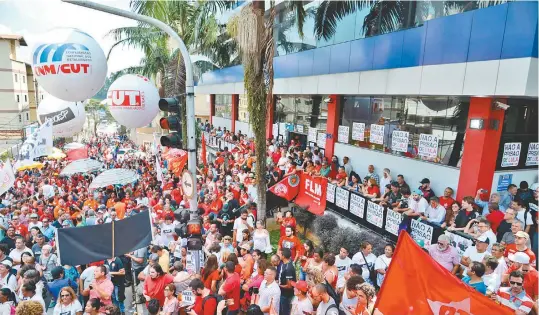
<point x="287" y="188"/>
<point x="77" y="154"/>
<point x="177" y="164"/>
<point x="203" y="151"/>
<point x="312" y="193"/>
<point x="430" y="288"/>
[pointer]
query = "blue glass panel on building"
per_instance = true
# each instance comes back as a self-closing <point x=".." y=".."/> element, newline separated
<point x="456" y="37"/>
<point x="339" y="58"/>
<point x="345" y="30"/>
<point x="285" y="66"/>
<point x="321" y="60"/>
<point x="413" y="46"/>
<point x="360" y="19"/>
<point x="388" y="51"/>
<point x="434" y="42"/>
<point x="361" y="54"/>
<point x="305" y="62"/>
<point x="520" y="30"/>
<point x="486" y="39"/>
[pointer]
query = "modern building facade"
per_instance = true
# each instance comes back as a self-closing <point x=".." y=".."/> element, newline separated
<point x="440" y="91"/>
<point x="18" y="97"/>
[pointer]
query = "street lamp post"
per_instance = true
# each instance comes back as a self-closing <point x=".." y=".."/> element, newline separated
<point x="189" y="82"/>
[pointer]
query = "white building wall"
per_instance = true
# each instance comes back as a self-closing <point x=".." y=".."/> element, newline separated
<point x="245" y="128"/>
<point x="413" y="170"/>
<point x="222" y="122"/>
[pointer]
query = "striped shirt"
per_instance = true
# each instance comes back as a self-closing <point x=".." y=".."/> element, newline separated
<point x="520" y="302"/>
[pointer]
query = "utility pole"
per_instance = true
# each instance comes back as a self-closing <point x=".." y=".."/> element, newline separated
<point x="189" y="82"/>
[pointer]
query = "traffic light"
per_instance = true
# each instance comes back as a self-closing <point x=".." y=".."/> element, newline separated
<point x="172" y="123"/>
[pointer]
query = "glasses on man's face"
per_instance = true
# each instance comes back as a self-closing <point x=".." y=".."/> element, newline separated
<point x="518" y="284"/>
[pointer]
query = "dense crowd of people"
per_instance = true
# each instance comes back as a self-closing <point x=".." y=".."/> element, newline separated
<point x="244" y="270"/>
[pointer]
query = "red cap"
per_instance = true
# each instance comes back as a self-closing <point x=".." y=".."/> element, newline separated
<point x="300" y="285"/>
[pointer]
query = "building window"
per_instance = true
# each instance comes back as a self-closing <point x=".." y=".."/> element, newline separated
<point x="442" y="119"/>
<point x="223" y="105"/>
<point x="243" y="112"/>
<point x="27" y="116"/>
<point x="20" y="118"/>
<point x="18" y="98"/>
<point x="25" y="98"/>
<point x="16" y="78"/>
<point x="23" y="79"/>
<point x="301" y="112"/>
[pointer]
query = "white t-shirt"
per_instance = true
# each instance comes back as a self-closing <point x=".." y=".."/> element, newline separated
<point x="11" y="283"/>
<point x="269" y="292"/>
<point x="520" y="217"/>
<point x="38" y="224"/>
<point x="71" y="309"/>
<point x="239" y="226"/>
<point x="418" y="206"/>
<point x="436" y="215"/>
<point x="167" y="233"/>
<point x="491" y="237"/>
<point x="15" y="254"/>
<point x="38" y="298"/>
<point x="48" y="191"/>
<point x="492" y="282"/>
<point x="342" y="266"/>
<point x="366" y="266"/>
<point x="301" y="307"/>
<point x="382" y="262"/>
<point x="471" y="252"/>
<point x="346" y="302"/>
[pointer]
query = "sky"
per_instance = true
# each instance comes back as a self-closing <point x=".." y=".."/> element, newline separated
<point x="31" y="18"/>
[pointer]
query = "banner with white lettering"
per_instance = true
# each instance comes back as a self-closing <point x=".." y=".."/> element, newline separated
<point x="428" y="146"/>
<point x="341" y="198"/>
<point x="459" y="242"/>
<point x="312" y="135"/>
<point x="344" y="134"/>
<point x="38" y="144"/>
<point x="375" y="214"/>
<point x="299" y="128"/>
<point x="422" y="231"/>
<point x="377" y="134"/>
<point x="511" y="154"/>
<point x="275" y="130"/>
<point x="358" y="131"/>
<point x="321" y="140"/>
<point x="393" y="219"/>
<point x="532" y="158"/>
<point x="331" y="192"/>
<point x="312" y="193"/>
<point x="357" y="205"/>
<point x="399" y="141"/>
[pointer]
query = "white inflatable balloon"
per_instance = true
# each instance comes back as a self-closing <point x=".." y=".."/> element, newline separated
<point x="67" y="117"/>
<point x="133" y="100"/>
<point x="69" y="64"/>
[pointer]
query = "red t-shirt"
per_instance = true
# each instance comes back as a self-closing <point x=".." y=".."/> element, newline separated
<point x="209" y="307"/>
<point x="293" y="243"/>
<point x="495" y="218"/>
<point x="446" y="202"/>
<point x="512" y="248"/>
<point x="374" y="190"/>
<point x="21" y="230"/>
<point x="232" y="289"/>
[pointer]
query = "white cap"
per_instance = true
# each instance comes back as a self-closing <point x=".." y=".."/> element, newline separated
<point x="520" y="258"/>
<point x="7" y="263"/>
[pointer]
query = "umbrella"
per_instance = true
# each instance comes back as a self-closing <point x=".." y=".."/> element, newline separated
<point x="73" y="145"/>
<point x="56" y="154"/>
<point x="116" y="176"/>
<point x="30" y="166"/>
<point x="81" y="166"/>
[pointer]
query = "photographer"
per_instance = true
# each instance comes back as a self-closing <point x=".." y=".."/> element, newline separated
<point x="415" y="204"/>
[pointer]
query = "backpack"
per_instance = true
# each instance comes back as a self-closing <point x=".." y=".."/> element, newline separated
<point x="217" y="298"/>
<point x="341" y="312"/>
<point x="332" y="293"/>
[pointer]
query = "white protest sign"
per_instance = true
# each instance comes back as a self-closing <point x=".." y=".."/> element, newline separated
<point x="428" y="146"/>
<point x="358" y="131"/>
<point x="38" y="144"/>
<point x="357" y="205"/>
<point x="321" y="140"/>
<point x="330" y="193"/>
<point x="275" y="130"/>
<point x="511" y="154"/>
<point x="375" y="214"/>
<point x="458" y="242"/>
<point x="311" y="136"/>
<point x="344" y="134"/>
<point x="341" y="198"/>
<point x="533" y="154"/>
<point x="188" y="298"/>
<point x="422" y="231"/>
<point x="393" y="219"/>
<point x="282" y="129"/>
<point x="299" y="128"/>
<point x="399" y="141"/>
<point x="377" y="134"/>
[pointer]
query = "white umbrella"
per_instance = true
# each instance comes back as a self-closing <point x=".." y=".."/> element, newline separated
<point x="116" y="176"/>
<point x="81" y="166"/>
<point x="73" y="145"/>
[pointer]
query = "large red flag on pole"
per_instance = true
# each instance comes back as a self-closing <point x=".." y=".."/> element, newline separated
<point x="416" y="284"/>
<point x="203" y="151"/>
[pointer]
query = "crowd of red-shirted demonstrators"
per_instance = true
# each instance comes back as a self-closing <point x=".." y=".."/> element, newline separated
<point x="243" y="272"/>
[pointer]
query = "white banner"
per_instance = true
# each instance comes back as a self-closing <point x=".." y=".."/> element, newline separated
<point x="38" y="144"/>
<point x="275" y="130"/>
<point x="344" y="134"/>
<point x="358" y="131"/>
<point x="399" y="141"/>
<point x="312" y="135"/>
<point x="511" y="154"/>
<point x="428" y="146"/>
<point x="459" y="242"/>
<point x="330" y="193"/>
<point x="422" y="231"/>
<point x="321" y="140"/>
<point x="357" y="205"/>
<point x="377" y="134"/>
<point x="158" y="170"/>
<point x="532" y="158"/>
<point x="299" y="128"/>
<point x="7" y="177"/>
<point x="341" y="198"/>
<point x="282" y="129"/>
<point x="375" y="214"/>
<point x="393" y="219"/>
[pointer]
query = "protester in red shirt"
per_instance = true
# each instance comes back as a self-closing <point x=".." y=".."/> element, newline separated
<point x="205" y="302"/>
<point x="291" y="242"/>
<point x="447" y="200"/>
<point x="495" y="216"/>
<point x="230" y="289"/>
<point x="521" y="238"/>
<point x="19" y="228"/>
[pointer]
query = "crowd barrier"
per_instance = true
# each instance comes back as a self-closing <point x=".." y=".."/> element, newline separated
<point x="217" y="142"/>
<point x="360" y="209"/>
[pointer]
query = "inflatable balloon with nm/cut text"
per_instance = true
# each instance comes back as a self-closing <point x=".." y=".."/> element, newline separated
<point x="133" y="100"/>
<point x="67" y="117"/>
<point x="69" y="64"/>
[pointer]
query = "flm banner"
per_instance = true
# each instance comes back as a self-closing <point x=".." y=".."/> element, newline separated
<point x="312" y="193"/>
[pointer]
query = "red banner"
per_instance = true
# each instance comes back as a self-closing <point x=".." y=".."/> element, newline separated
<point x="312" y="193"/>
<point x="287" y="188"/>
<point x="203" y="151"/>
<point x="435" y="290"/>
<point x="176" y="164"/>
<point x="77" y="154"/>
